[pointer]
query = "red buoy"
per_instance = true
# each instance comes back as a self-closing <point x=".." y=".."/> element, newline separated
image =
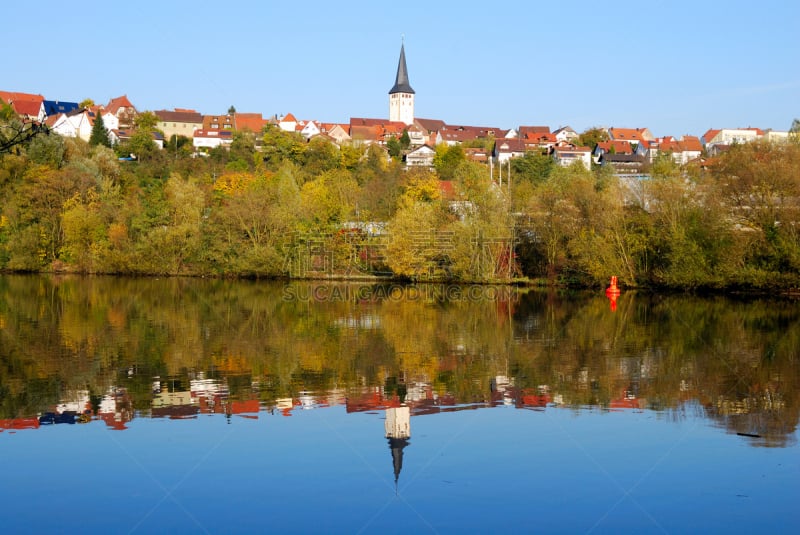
<point x="612" y="292"/>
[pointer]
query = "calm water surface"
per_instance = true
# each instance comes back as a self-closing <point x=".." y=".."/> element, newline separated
<point x="206" y="406"/>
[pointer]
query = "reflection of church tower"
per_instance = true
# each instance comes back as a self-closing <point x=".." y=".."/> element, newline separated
<point x="398" y="431"/>
<point x="401" y="96"/>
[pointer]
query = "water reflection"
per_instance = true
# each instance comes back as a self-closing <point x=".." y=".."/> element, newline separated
<point x="75" y="350"/>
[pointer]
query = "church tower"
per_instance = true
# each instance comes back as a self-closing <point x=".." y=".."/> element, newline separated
<point x="401" y="96"/>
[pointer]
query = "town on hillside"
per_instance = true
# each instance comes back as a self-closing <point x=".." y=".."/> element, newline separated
<point x="628" y="151"/>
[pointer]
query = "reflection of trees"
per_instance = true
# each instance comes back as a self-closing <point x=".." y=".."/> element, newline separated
<point x="736" y="359"/>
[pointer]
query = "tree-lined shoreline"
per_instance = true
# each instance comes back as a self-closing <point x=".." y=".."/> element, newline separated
<point x="302" y="209"/>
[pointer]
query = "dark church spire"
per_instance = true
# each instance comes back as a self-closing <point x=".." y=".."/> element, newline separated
<point x="401" y="84"/>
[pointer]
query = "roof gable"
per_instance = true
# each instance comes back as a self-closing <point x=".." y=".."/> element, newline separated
<point x="115" y="104"/>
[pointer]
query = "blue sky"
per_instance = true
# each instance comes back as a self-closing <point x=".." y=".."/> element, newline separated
<point x="676" y="67"/>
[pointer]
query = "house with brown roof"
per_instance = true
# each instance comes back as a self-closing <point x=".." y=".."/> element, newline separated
<point x="526" y="131"/>
<point x="420" y="157"/>
<point x="623" y="164"/>
<point x="475" y="154"/>
<point x="683" y="149"/>
<point x="123" y="110"/>
<point x="366" y="130"/>
<point x="10" y="96"/>
<point x="179" y="122"/>
<point x="29" y="109"/>
<point x="566" y="133"/>
<point x="340" y="133"/>
<point x="507" y="148"/>
<point x="633" y="135"/>
<point x="254" y="122"/>
<point x="611" y="147"/>
<point x="218" y="122"/>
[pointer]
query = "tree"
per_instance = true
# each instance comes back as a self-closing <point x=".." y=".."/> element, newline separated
<point x="405" y="140"/>
<point x="99" y="134"/>
<point x="146" y="121"/>
<point x="231" y="110"/>
<point x="447" y="160"/>
<point x="533" y="166"/>
<point x="86" y="103"/>
<point x="592" y="136"/>
<point x="394" y="148"/>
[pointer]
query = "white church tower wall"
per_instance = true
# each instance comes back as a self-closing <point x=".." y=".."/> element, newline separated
<point x="401" y="96"/>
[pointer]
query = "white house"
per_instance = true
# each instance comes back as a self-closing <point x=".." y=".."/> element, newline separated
<point x="210" y="139"/>
<point x="74" y="125"/>
<point x="422" y="156"/>
<point x="567" y="155"/>
<point x="288" y="123"/>
<point x="566" y="134"/>
<point x="310" y="129"/>
<point x="729" y="136"/>
<point x="505" y="149"/>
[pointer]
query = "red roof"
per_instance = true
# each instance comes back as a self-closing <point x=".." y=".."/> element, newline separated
<point x="540" y="137"/>
<point x="30" y="108"/>
<point x="10" y="96"/>
<point x="289" y="118"/>
<point x="710" y="134"/>
<point x="249" y="121"/>
<point x="627" y="134"/>
<point x="525" y="130"/>
<point x="116" y="103"/>
<point x="620" y="147"/>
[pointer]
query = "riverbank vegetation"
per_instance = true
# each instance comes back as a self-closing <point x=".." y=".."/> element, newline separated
<point x="298" y="209"/>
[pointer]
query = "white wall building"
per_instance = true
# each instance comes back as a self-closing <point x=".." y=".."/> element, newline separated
<point x="401" y="96"/>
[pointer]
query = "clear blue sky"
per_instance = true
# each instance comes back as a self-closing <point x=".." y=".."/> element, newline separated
<point x="676" y="67"/>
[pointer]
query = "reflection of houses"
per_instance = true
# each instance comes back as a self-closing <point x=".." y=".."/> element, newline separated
<point x="16" y="424"/>
<point x="115" y="409"/>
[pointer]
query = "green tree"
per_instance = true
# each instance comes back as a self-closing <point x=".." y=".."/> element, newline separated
<point x="533" y="166"/>
<point x="447" y="159"/>
<point x="99" y="135"/>
<point x="592" y="136"/>
<point x="394" y="148"/>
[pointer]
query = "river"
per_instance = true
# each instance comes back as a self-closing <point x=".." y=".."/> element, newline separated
<point x="140" y="405"/>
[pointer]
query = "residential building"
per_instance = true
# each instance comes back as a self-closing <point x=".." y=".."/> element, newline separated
<point x="178" y="122"/>
<point x="10" y="96"/>
<point x="77" y="123"/>
<point x="254" y="122"/>
<point x="29" y="110"/>
<point x="729" y="136"/>
<point x="612" y="147"/>
<point x="340" y="133"/>
<point x="566" y="155"/>
<point x="123" y="110"/>
<point x="54" y="107"/>
<point x="624" y="164"/>
<point x="505" y="149"/>
<point x="218" y="122"/>
<point x="421" y="157"/>
<point x="775" y="136"/>
<point x="633" y="135"/>
<point x="566" y="134"/>
<point x="204" y="140"/>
